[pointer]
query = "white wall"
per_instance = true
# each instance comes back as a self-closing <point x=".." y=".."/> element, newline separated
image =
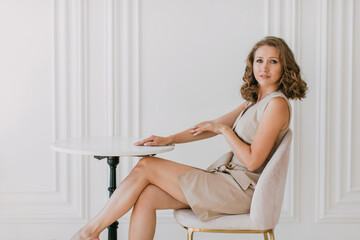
<point x="87" y="68"/>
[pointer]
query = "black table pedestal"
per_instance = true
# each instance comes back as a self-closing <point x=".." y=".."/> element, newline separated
<point x="113" y="162"/>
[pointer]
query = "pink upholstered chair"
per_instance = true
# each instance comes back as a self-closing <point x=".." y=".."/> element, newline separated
<point x="265" y="206"/>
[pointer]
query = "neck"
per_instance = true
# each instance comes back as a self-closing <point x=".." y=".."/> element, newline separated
<point x="264" y="92"/>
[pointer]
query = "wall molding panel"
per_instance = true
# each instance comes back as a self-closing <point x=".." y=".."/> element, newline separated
<point x="336" y="200"/>
<point x="68" y="200"/>
<point x="122" y="68"/>
<point x="61" y="203"/>
<point x="71" y="96"/>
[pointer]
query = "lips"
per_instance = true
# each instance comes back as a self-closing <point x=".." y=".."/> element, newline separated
<point x="264" y="76"/>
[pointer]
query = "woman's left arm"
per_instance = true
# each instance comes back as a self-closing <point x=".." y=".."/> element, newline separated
<point x="276" y="117"/>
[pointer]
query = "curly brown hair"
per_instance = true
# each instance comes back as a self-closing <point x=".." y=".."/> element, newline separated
<point x="290" y="83"/>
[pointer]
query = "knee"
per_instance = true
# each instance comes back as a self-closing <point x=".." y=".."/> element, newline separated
<point x="144" y="161"/>
<point x="143" y="165"/>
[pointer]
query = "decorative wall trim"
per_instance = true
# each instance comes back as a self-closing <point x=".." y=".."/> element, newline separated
<point x="336" y="201"/>
<point x="282" y="18"/>
<point x="349" y="124"/>
<point x="135" y="70"/>
<point x="110" y="64"/>
<point x="68" y="200"/>
<point x="119" y="66"/>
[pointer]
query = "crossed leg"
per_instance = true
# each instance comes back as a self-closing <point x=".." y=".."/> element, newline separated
<point x="152" y="184"/>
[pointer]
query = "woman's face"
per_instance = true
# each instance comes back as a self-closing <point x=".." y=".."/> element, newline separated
<point x="267" y="67"/>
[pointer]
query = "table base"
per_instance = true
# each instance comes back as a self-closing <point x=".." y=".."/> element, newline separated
<point x="112" y="162"/>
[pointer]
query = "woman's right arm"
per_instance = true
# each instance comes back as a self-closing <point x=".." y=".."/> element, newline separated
<point x="187" y="136"/>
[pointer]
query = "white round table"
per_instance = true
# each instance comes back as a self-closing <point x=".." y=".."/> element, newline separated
<point x="111" y="148"/>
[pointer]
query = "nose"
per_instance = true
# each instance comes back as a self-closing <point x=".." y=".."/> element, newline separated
<point x="265" y="67"/>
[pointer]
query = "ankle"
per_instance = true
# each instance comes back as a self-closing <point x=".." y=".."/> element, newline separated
<point x="93" y="230"/>
<point x="86" y="233"/>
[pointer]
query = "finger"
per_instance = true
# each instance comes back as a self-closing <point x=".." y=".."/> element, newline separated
<point x="194" y="129"/>
<point x="150" y="144"/>
<point x="144" y="141"/>
<point x="198" y="131"/>
<point x="139" y="143"/>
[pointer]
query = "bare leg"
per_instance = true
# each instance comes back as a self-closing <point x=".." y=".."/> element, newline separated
<point x="143" y="217"/>
<point x="149" y="170"/>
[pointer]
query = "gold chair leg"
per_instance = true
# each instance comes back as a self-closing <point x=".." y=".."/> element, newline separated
<point x="190" y="233"/>
<point x="271" y="232"/>
<point x="265" y="236"/>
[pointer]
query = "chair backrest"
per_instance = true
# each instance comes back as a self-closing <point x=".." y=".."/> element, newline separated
<point x="269" y="192"/>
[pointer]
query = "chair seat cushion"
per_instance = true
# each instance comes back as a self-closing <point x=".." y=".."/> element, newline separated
<point x="187" y="218"/>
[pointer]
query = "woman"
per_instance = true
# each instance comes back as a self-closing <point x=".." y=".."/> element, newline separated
<point x="253" y="131"/>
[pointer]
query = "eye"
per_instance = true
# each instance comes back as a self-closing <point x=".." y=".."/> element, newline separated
<point x="273" y="61"/>
<point x="259" y="61"/>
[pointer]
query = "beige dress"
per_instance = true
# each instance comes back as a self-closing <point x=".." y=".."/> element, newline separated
<point x="227" y="186"/>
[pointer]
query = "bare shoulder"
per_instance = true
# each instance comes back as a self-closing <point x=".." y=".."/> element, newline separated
<point x="278" y="108"/>
<point x="278" y="103"/>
